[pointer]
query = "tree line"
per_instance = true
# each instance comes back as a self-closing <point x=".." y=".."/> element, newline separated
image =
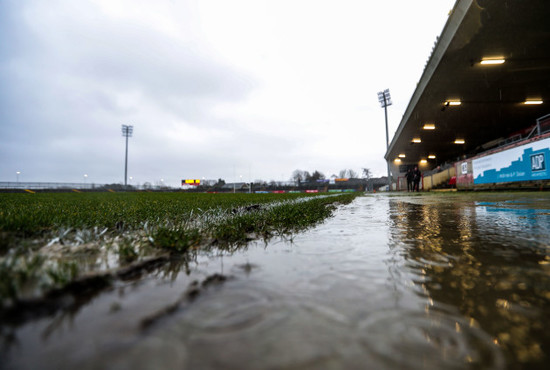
<point x="300" y="176"/>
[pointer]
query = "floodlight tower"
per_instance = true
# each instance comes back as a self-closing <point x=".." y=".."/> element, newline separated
<point x="126" y="132"/>
<point x="385" y="100"/>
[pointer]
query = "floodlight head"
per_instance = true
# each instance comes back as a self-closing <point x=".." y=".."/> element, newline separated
<point x="127" y="130"/>
<point x="384" y="98"/>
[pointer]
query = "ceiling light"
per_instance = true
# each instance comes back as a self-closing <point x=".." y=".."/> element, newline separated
<point x="402" y="155"/>
<point x="397" y="160"/>
<point x="459" y="141"/>
<point x="532" y="102"/>
<point x="429" y="126"/>
<point x="453" y="102"/>
<point x="492" y="61"/>
<point x="431" y="156"/>
<point x="416" y="140"/>
<point x="423" y="161"/>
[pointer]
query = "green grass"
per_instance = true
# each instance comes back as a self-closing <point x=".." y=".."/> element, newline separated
<point x="48" y="240"/>
<point x="31" y="214"/>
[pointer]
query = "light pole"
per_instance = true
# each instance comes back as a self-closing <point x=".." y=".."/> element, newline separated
<point x="126" y="132"/>
<point x="385" y="99"/>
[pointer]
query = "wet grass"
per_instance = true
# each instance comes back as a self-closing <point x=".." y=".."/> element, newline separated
<point x="48" y="241"/>
<point x="32" y="214"/>
<point x="249" y="224"/>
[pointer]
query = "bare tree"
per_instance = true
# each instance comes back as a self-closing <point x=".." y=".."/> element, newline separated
<point x="317" y="176"/>
<point x="347" y="173"/>
<point x="298" y="176"/>
<point x="367" y="174"/>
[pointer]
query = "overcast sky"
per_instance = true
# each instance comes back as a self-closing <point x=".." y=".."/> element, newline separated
<point x="213" y="88"/>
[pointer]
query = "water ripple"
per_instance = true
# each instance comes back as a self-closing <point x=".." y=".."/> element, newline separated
<point x="235" y="310"/>
<point x="304" y="337"/>
<point x="433" y="340"/>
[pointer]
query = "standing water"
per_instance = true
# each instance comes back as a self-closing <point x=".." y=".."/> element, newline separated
<point x="453" y="281"/>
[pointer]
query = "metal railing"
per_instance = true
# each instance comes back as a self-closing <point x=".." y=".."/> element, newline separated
<point x="18" y="185"/>
<point x="510" y="140"/>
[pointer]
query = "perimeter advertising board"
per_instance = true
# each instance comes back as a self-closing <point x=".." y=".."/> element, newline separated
<point x="523" y="163"/>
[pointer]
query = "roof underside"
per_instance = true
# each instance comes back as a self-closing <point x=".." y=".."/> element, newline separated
<point x="492" y="96"/>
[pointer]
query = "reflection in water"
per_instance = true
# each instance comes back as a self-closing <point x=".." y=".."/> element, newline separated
<point x="430" y="340"/>
<point x="491" y="261"/>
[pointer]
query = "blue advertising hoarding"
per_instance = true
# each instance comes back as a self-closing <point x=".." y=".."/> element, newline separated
<point x="523" y="163"/>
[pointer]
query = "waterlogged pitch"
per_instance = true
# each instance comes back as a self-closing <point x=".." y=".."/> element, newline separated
<point x="31" y="214"/>
<point x="49" y="241"/>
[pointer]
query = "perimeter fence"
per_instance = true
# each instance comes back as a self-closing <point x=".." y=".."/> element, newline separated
<point x="64" y="186"/>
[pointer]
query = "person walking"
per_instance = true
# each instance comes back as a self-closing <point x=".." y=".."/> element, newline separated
<point x="417" y="176"/>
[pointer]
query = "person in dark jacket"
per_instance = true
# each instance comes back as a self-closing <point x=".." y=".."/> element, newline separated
<point x="417" y="176"/>
<point x="409" y="176"/>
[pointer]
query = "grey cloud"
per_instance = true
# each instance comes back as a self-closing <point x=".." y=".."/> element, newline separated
<point x="59" y="81"/>
<point x="96" y="58"/>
